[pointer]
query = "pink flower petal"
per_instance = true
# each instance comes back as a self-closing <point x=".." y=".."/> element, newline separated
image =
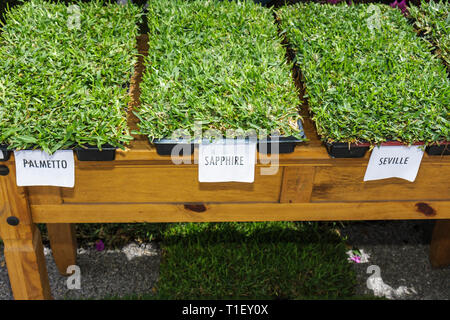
<point x="99" y="245"/>
<point x="394" y="4"/>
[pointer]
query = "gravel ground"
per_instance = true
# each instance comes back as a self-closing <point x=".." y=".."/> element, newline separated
<point x="132" y="270"/>
<point x="398" y="248"/>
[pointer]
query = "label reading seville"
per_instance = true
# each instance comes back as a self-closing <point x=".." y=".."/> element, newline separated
<point x="37" y="168"/>
<point x="394" y="162"/>
<point x="227" y="161"/>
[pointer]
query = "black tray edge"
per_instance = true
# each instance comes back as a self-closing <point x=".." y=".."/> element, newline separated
<point x="6" y="154"/>
<point x="93" y="153"/>
<point x="344" y="150"/>
<point x="89" y="153"/>
<point x="165" y="146"/>
<point x="438" y="150"/>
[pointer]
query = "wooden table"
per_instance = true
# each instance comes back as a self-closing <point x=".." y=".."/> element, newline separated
<point x="141" y="186"/>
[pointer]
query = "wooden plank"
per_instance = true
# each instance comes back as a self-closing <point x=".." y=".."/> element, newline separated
<point x="162" y="184"/>
<point x="62" y="236"/>
<point x="63" y="243"/>
<point x="297" y="184"/>
<point x="217" y="212"/>
<point x="346" y="184"/>
<point x="44" y="195"/>
<point x="24" y="253"/>
<point x="141" y="150"/>
<point x="440" y="244"/>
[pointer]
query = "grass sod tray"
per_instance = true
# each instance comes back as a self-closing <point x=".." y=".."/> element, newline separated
<point x="64" y="86"/>
<point x="218" y="63"/>
<point x="433" y="21"/>
<point x="368" y="80"/>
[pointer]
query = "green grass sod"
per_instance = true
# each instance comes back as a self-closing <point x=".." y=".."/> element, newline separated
<point x="433" y="19"/>
<point x="220" y="63"/>
<point x="63" y="86"/>
<point x="264" y="260"/>
<point x="367" y="78"/>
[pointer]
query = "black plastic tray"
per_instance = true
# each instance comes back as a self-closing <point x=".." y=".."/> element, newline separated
<point x="438" y="150"/>
<point x="345" y="150"/>
<point x="5" y="152"/>
<point x="164" y="147"/>
<point x="285" y="144"/>
<point x="91" y="153"/>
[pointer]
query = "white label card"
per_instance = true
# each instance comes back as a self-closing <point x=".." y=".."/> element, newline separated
<point x="227" y="161"/>
<point x="1" y="155"/>
<point x="394" y="162"/>
<point x="37" y="168"/>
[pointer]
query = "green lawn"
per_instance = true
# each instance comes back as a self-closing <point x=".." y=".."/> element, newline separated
<point x="264" y="260"/>
<point x="274" y="260"/>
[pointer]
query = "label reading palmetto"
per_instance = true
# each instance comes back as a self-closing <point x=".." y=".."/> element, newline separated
<point x="38" y="168"/>
<point x="394" y="162"/>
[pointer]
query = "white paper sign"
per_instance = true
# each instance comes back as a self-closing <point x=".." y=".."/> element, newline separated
<point x="37" y="168"/>
<point x="1" y="155"/>
<point x="394" y="162"/>
<point x="227" y="161"/>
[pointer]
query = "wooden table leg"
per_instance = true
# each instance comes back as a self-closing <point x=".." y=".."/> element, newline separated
<point x="62" y="235"/>
<point x="24" y="252"/>
<point x="440" y="244"/>
<point x="64" y="245"/>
